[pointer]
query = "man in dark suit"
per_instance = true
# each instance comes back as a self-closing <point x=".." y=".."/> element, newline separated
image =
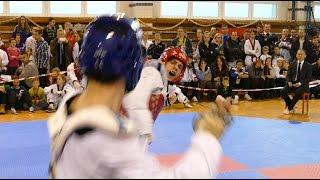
<point x="298" y="78"/>
<point x="266" y="38"/>
<point x="302" y="43"/>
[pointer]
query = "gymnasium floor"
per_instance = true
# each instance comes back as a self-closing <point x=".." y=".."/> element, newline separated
<point x="253" y="147"/>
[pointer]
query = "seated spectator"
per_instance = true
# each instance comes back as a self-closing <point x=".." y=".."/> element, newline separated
<point x="252" y="49"/>
<point x="239" y="79"/>
<point x="183" y="41"/>
<point x="61" y="51"/>
<point x="316" y="48"/>
<point x="190" y="79"/>
<point x="19" y="43"/>
<point x="4" y="61"/>
<point x="54" y="76"/>
<point x="316" y="76"/>
<point x="299" y="76"/>
<point x="14" y="58"/>
<point x="281" y="70"/>
<point x="38" y="96"/>
<point x="269" y="78"/>
<point x="285" y="44"/>
<point x="220" y="70"/>
<point x="56" y="92"/>
<point x="74" y="75"/>
<point x="19" y="98"/>
<point x="157" y="47"/>
<point x="29" y="69"/>
<point x="257" y="79"/>
<point x="265" y="54"/>
<point x="233" y="49"/>
<point x="204" y="75"/>
<point x="2" y="45"/>
<point x="276" y="56"/>
<point x="3" y="96"/>
<point x="22" y="28"/>
<point x="225" y="91"/>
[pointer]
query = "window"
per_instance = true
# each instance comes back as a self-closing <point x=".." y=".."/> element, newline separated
<point x="268" y="11"/>
<point x="65" y="7"/>
<point x="174" y="8"/>
<point x="316" y="11"/>
<point x="236" y="10"/>
<point x="25" y="7"/>
<point x="205" y="9"/>
<point x="1" y="7"/>
<point x="101" y="7"/>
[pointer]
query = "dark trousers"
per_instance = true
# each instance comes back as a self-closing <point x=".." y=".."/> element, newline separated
<point x="316" y="91"/>
<point x="269" y="83"/>
<point x="3" y="98"/>
<point x="42" y="105"/>
<point x="206" y="85"/>
<point x="297" y="95"/>
<point x="11" y="71"/>
<point x="24" y="102"/>
<point x="280" y="82"/>
<point x="256" y="83"/>
<point x="43" y="80"/>
<point x="189" y="92"/>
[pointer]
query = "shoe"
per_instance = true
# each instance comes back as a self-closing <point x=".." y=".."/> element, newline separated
<point x="194" y="99"/>
<point x="247" y="97"/>
<point x="286" y="111"/>
<point x="31" y="109"/>
<point x="13" y="111"/>
<point x="293" y="110"/>
<point x="235" y="100"/>
<point x="2" y="109"/>
<point x="187" y="105"/>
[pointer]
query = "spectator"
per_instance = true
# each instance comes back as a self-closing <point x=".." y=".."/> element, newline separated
<point x="50" y="31"/>
<point x="19" y="98"/>
<point x="22" y="28"/>
<point x="302" y="43"/>
<point x="276" y="56"/>
<point x="29" y="69"/>
<point x="265" y="54"/>
<point x="56" y="92"/>
<point x="220" y="70"/>
<point x="281" y="70"/>
<point x="246" y="36"/>
<point x="256" y="77"/>
<point x="266" y="38"/>
<point x="80" y="41"/>
<point x="74" y="75"/>
<point x="38" y="96"/>
<point x="76" y="47"/>
<point x="225" y="91"/>
<point x="183" y="42"/>
<point x="31" y="42"/>
<point x="213" y="32"/>
<point x="206" y="48"/>
<point x="316" y="76"/>
<point x="145" y="40"/>
<point x="239" y="79"/>
<point x="315" y="48"/>
<point x="285" y="44"/>
<point x="252" y="49"/>
<point x="233" y="49"/>
<point x="225" y="33"/>
<point x="68" y="29"/>
<point x="195" y="45"/>
<point x="294" y="34"/>
<point x="4" y="61"/>
<point x="14" y="58"/>
<point x="259" y="30"/>
<point x="269" y="78"/>
<point x="19" y="43"/>
<point x="157" y="47"/>
<point x="61" y="51"/>
<point x="42" y="58"/>
<point x="2" y="45"/>
<point x="190" y="79"/>
<point x="55" y="72"/>
<point x="3" y="97"/>
<point x="30" y="55"/>
<point x="204" y="75"/>
<point x="298" y="78"/>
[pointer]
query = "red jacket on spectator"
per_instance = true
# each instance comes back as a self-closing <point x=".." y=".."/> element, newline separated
<point x="71" y="39"/>
<point x="14" y="57"/>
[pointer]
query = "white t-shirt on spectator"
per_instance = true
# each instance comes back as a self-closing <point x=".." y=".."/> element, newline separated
<point x="4" y="59"/>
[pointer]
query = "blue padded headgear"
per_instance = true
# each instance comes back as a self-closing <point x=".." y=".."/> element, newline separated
<point x="112" y="49"/>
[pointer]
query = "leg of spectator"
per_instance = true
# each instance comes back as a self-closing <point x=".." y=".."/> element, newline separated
<point x="285" y="95"/>
<point x="297" y="96"/>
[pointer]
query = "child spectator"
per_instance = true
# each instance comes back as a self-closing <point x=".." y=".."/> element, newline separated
<point x="19" y="98"/>
<point x="239" y="79"/>
<point x="225" y="91"/>
<point x="220" y="69"/>
<point x="190" y="79"/>
<point x="19" y="43"/>
<point x="56" y="92"/>
<point x="38" y="96"/>
<point x="265" y="54"/>
<point x="14" y="57"/>
<point x="276" y="56"/>
<point x="281" y="74"/>
<point x="54" y="75"/>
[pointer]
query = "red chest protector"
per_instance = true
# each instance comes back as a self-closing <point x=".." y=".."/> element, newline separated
<point x="156" y="104"/>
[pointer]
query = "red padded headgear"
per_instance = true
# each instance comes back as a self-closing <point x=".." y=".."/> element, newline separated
<point x="175" y="53"/>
